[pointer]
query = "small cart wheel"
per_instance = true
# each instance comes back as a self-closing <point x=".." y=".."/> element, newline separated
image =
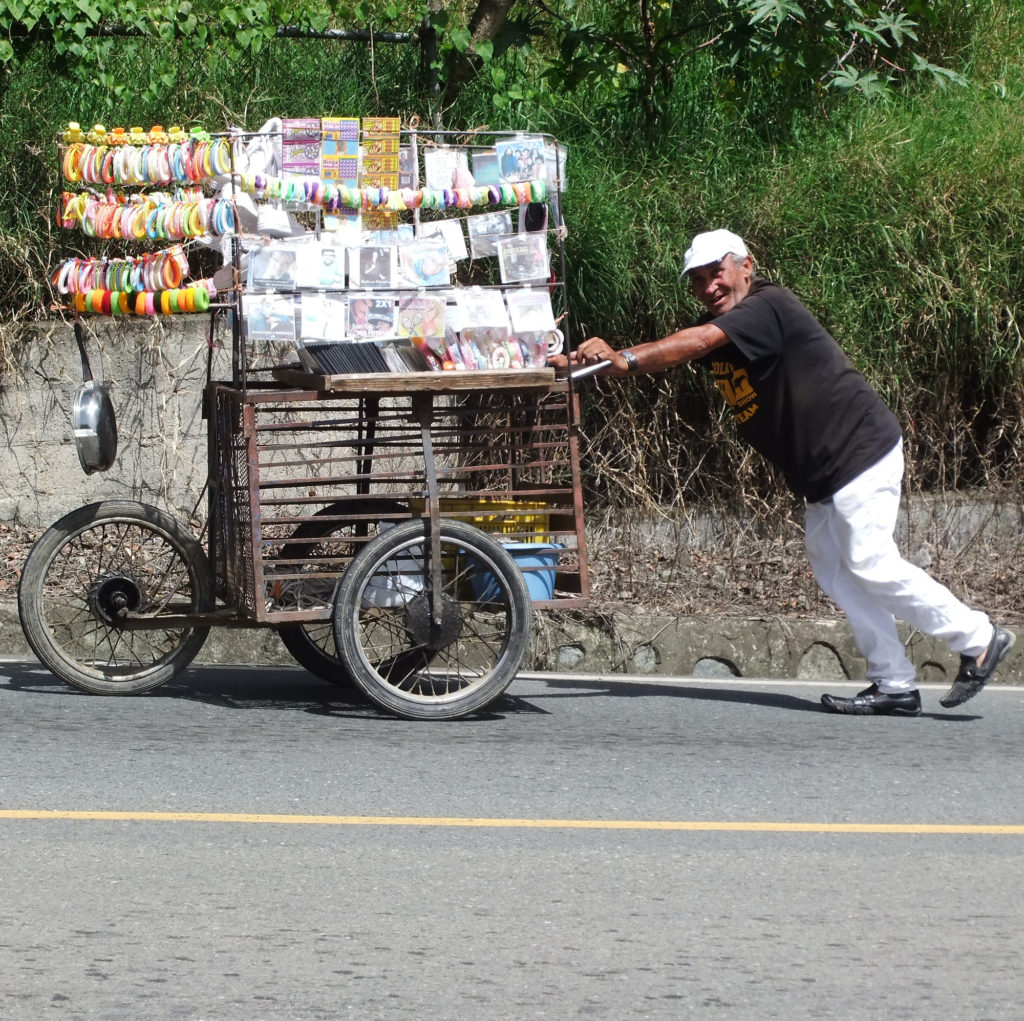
<point x="311" y="643"/>
<point x="94" y="570"/>
<point x="428" y="660"/>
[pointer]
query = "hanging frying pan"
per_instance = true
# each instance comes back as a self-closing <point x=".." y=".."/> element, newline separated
<point x="92" y="418"/>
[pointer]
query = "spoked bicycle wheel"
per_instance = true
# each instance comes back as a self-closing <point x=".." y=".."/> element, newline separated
<point x="404" y="659"/>
<point x="311" y="642"/>
<point x="92" y="570"/>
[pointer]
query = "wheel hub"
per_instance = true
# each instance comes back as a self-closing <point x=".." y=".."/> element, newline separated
<point x="113" y="597"/>
<point x="422" y="628"/>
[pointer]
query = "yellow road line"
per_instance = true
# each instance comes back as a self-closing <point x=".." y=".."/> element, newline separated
<point x="941" y="829"/>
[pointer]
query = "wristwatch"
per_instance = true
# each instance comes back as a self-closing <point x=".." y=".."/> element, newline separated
<point x="632" y="365"/>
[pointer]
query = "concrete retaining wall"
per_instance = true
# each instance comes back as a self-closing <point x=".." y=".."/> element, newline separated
<point x="154" y="373"/>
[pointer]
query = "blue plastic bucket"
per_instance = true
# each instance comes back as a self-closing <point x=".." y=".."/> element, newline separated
<point x="537" y="562"/>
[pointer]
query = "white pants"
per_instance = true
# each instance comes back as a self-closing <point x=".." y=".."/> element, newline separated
<point x="850" y="546"/>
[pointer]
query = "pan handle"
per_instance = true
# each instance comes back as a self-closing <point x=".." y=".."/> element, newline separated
<point x="79" y="336"/>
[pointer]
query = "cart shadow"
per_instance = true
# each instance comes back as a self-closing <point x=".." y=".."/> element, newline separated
<point x="247" y="688"/>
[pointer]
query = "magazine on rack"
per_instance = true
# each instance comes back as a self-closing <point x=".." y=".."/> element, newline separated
<point x="440" y="165"/>
<point x="485" y="229"/>
<point x="523" y="258"/>
<point x="521" y="159"/>
<point x="272" y="267"/>
<point x="371" y="316"/>
<point x="421" y="315"/>
<point x="322" y="316"/>
<point x="321" y="266"/>
<point x="372" y="266"/>
<point x="424" y="262"/>
<point x="451" y="231"/>
<point x="530" y="310"/>
<point x="482" y="310"/>
<point x="485" y="167"/>
<point x="269" y="316"/>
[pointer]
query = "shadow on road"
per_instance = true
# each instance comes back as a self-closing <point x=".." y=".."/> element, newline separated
<point x="771" y="699"/>
<point x="292" y="688"/>
<point x="637" y="689"/>
<point x="247" y="687"/>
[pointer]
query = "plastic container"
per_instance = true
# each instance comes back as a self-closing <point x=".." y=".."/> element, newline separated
<point x="537" y="562"/>
<point x="496" y="516"/>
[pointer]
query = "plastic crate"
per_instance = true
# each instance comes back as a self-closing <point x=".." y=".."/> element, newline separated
<point x="529" y="523"/>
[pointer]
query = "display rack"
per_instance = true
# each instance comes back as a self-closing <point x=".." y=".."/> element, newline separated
<point x="409" y="381"/>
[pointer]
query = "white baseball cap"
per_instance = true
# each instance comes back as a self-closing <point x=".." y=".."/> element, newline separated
<point x="712" y="246"/>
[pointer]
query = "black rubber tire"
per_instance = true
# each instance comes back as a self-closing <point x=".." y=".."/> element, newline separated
<point x="87" y="564"/>
<point x="311" y="643"/>
<point x="395" y="653"/>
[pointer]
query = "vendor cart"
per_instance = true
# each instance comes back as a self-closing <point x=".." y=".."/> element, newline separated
<point x="396" y="528"/>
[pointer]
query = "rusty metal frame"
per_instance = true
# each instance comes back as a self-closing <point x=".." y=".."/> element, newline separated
<point x="506" y="460"/>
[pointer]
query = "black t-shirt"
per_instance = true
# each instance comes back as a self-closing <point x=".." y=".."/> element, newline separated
<point x="795" y="395"/>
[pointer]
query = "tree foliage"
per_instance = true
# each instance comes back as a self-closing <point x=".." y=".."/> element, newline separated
<point x="626" y="51"/>
<point x="82" y="31"/>
<point x="636" y="49"/>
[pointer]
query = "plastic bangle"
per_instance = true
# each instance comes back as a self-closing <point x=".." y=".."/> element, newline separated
<point x="96" y="164"/>
<point x="135" y="221"/>
<point x="99" y="220"/>
<point x="63" y="277"/>
<point x="172" y="272"/>
<point x="202" y="299"/>
<point x="96" y="215"/>
<point x="85" y="163"/>
<point x="71" y="163"/>
<point x="195" y="169"/>
<point x="107" y="167"/>
<point x="220" y="158"/>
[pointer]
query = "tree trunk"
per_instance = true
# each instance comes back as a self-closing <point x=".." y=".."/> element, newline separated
<point x="485" y="24"/>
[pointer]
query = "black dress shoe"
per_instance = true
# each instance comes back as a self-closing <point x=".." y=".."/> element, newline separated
<point x="972" y="678"/>
<point x="872" y="702"/>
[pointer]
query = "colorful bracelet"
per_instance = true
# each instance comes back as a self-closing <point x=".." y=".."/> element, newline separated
<point x="101" y="301"/>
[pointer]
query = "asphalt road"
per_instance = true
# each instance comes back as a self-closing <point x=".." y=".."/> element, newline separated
<point x="251" y="843"/>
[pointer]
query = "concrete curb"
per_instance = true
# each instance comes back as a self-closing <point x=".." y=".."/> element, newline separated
<point x="594" y="642"/>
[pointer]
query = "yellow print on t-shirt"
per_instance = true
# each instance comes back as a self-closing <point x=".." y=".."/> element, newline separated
<point x="735" y="386"/>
